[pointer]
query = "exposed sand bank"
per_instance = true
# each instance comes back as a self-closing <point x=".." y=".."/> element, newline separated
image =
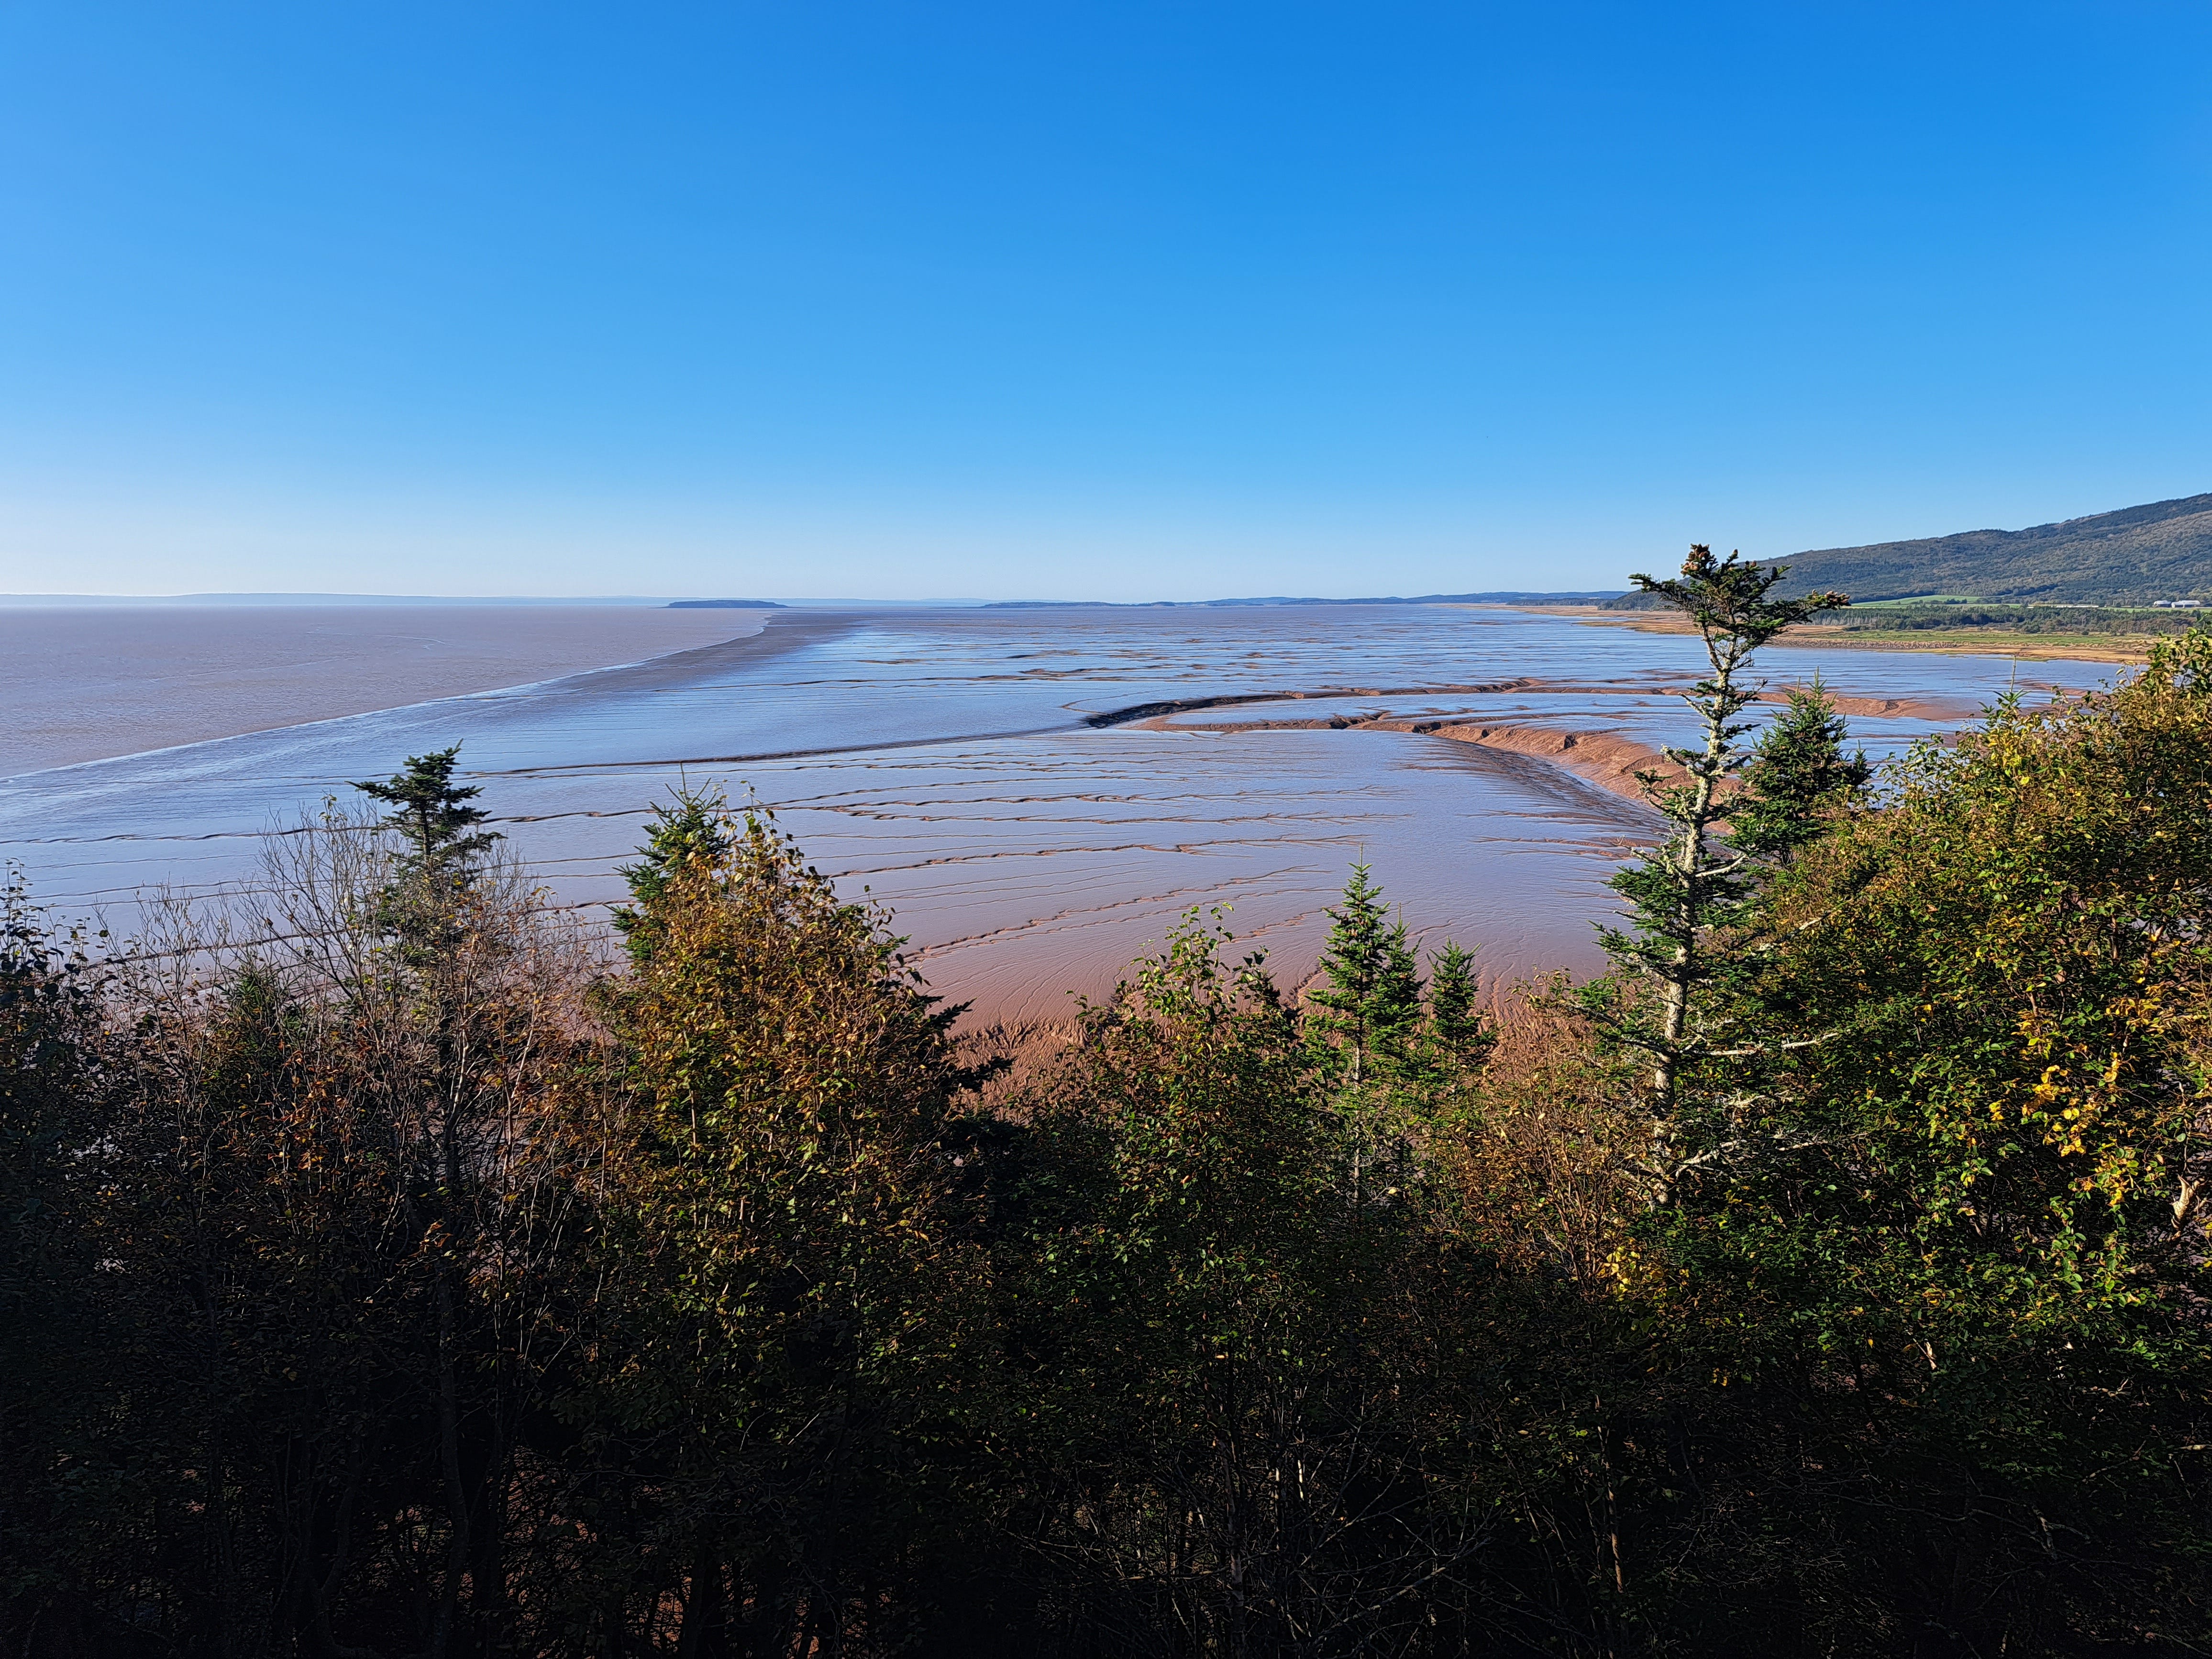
<point x="1604" y="756"/>
<point x="1911" y="709"/>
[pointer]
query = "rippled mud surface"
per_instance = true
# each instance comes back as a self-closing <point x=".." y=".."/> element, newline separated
<point x="1040" y="792"/>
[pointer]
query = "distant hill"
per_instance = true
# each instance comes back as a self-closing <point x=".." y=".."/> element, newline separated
<point x="724" y="604"/>
<point x="2136" y="555"/>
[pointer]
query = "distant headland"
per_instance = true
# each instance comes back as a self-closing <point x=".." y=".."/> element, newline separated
<point x="2148" y="556"/>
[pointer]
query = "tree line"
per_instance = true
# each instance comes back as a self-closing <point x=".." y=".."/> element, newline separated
<point x="412" y="1274"/>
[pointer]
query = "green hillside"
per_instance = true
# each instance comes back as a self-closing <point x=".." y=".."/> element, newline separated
<point x="2137" y="556"/>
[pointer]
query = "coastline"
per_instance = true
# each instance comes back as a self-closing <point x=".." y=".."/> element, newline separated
<point x="964" y="768"/>
<point x="98" y="684"/>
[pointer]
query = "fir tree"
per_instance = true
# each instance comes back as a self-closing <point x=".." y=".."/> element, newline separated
<point x="1395" y="1020"/>
<point x="692" y="834"/>
<point x="433" y="815"/>
<point x="1372" y="1003"/>
<point x="1458" y="1031"/>
<point x="1797" y="775"/>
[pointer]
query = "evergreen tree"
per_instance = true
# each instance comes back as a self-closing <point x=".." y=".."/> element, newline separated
<point x="1797" y="777"/>
<point x="419" y="908"/>
<point x="1206" y="1291"/>
<point x="1681" y="893"/>
<point x="1371" y="1005"/>
<point x="1459" y="1033"/>
<point x="433" y="815"/>
<point x="789" y="1310"/>
<point x="1395" y="1020"/>
<point x="693" y="834"/>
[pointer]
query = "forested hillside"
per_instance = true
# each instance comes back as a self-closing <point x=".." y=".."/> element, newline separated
<point x="2139" y="556"/>
<point x="424" y="1276"/>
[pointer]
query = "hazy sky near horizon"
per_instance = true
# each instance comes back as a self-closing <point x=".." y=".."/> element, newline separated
<point x="1105" y="300"/>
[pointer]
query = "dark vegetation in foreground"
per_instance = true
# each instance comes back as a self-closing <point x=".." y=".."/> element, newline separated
<point x="1829" y="1278"/>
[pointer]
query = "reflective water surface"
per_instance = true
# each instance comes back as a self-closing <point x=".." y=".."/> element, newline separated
<point x="945" y="760"/>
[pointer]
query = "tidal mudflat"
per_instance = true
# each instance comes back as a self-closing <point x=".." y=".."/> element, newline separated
<point x="1038" y="792"/>
<point x="86" y="683"/>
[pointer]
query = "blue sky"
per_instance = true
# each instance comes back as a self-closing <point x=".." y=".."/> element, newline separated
<point x="1121" y="300"/>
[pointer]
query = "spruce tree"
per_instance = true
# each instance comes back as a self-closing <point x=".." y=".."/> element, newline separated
<point x="1797" y="775"/>
<point x="1395" y="1021"/>
<point x="1372" y="1003"/>
<point x="692" y="834"/>
<point x="433" y="815"/>
<point x="1459" y="1033"/>
<point x="1684" y="892"/>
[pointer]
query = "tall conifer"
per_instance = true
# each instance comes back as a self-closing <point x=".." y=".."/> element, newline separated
<point x="692" y="835"/>
<point x="1682" y="893"/>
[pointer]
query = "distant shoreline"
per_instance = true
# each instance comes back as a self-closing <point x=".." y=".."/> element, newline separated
<point x="2126" y="648"/>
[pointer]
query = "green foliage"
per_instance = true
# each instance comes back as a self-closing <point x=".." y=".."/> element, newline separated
<point x="692" y="834"/>
<point x="1903" y="618"/>
<point x="1460" y="1036"/>
<point x="1798" y="779"/>
<point x="1382" y="1053"/>
<point x="1684" y="894"/>
<point x="432" y="813"/>
<point x="1968" y="1243"/>
<point x="297" y="1232"/>
<point x="1371" y="1007"/>
<point x="1212" y="1310"/>
<point x="421" y="903"/>
<point x="784" y="1291"/>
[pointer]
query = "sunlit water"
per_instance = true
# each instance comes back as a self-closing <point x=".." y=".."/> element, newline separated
<point x="942" y="760"/>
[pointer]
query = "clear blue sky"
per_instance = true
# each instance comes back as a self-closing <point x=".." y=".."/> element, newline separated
<point x="1116" y="300"/>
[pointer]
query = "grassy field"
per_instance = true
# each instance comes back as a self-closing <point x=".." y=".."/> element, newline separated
<point x="1937" y="614"/>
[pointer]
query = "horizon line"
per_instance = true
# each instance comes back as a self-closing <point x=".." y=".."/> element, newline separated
<point x="274" y="598"/>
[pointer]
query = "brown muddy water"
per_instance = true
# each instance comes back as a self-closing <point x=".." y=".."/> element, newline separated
<point x="81" y="685"/>
<point x="1038" y="793"/>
